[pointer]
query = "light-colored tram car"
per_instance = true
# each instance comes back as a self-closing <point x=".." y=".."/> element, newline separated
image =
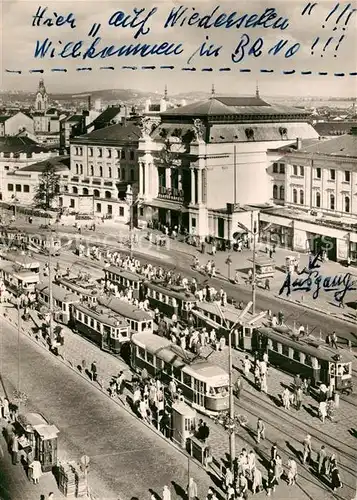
<point x="139" y="321"/>
<point x="308" y="356"/>
<point x="204" y="385"/>
<point x="87" y="290"/>
<point x="25" y="262"/>
<point x="169" y="299"/>
<point x="124" y="279"/>
<point x="62" y="301"/>
<point x="108" y="330"/>
<point x="16" y="280"/>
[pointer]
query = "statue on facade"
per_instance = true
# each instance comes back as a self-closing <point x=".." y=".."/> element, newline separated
<point x="146" y="126"/>
<point x="199" y="129"/>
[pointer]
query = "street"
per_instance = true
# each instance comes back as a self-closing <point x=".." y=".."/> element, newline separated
<point x="127" y="458"/>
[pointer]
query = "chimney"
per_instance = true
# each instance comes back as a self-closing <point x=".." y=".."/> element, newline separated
<point x="298" y="143"/>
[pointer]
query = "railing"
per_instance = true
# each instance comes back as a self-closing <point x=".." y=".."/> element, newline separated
<point x="97" y="182"/>
<point x="86" y="181"/>
<point x="171" y="194"/>
<point x="108" y="183"/>
<point x="75" y="179"/>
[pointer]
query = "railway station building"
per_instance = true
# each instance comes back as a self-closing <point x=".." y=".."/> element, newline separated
<point x="204" y="166"/>
<point x="314" y="187"/>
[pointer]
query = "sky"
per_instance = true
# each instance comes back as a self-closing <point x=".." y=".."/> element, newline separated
<point x="19" y="39"/>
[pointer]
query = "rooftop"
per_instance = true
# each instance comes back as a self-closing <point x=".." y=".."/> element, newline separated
<point x="105" y="118"/>
<point x="21" y="144"/>
<point x="59" y="162"/>
<point x="342" y="146"/>
<point x="129" y="132"/>
<point x="334" y="127"/>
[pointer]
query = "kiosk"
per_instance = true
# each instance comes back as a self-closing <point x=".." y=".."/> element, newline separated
<point x="183" y="423"/>
<point x="264" y="268"/>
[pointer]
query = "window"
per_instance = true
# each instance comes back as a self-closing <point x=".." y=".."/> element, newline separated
<point x="295" y="170"/>
<point x="77" y="169"/>
<point x="26" y="188"/>
<point x="347" y="204"/>
<point x="275" y="345"/>
<point x="296" y="355"/>
<point x="85" y="191"/>
<point x="91" y="170"/>
<point x="141" y="211"/>
<point x="109" y="153"/>
<point x="118" y="153"/>
<point x="110" y="172"/>
<point x="92" y="323"/>
<point x="71" y="203"/>
<point x="332" y="174"/>
<point x="308" y="360"/>
<point x="108" y="194"/>
<point x="294" y="195"/>
<point x="275" y="168"/>
<point x="18" y="188"/>
<point x="150" y="358"/>
<point x="99" y="207"/>
<point x="281" y="168"/>
<point x="285" y="350"/>
<point x="141" y="352"/>
<point x="282" y="193"/>
<point x="132" y="155"/>
<point x="122" y="176"/>
<point x="347" y="176"/>
<point x="121" y="211"/>
<point x="6" y="167"/>
<point x="301" y="197"/>
<point x="90" y="151"/>
<point x="74" y="190"/>
<point x="10" y="187"/>
<point x="318" y="173"/>
<point x="302" y="171"/>
<point x="332" y="201"/>
<point x="81" y="169"/>
<point x="100" y="171"/>
<point x="275" y="191"/>
<point x="318" y="199"/>
<point x="186" y="379"/>
<point x="100" y="152"/>
<point x="132" y="177"/>
<point x="119" y="173"/>
<point x="110" y="209"/>
<point x="122" y="153"/>
<point x="96" y="193"/>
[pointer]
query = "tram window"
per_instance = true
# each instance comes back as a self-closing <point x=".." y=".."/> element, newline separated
<point x="92" y="323"/>
<point x="170" y="301"/>
<point x="123" y="332"/>
<point x="275" y="346"/>
<point x="80" y="316"/>
<point x="174" y="302"/>
<point x="168" y="368"/>
<point x="150" y="358"/>
<point x="177" y="373"/>
<point x="308" y="360"/>
<point x="346" y="369"/>
<point x="159" y="364"/>
<point x="296" y="355"/>
<point x="143" y="326"/>
<point x="186" y="379"/>
<point x="339" y="370"/>
<point x="86" y="319"/>
<point x="285" y="350"/>
<point x="153" y="294"/>
<point x="141" y="352"/>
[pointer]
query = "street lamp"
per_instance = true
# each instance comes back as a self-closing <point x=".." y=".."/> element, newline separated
<point x="253" y="233"/>
<point x="229" y="263"/>
<point x="129" y="200"/>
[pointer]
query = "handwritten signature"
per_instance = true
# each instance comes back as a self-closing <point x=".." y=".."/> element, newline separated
<point x="310" y="279"/>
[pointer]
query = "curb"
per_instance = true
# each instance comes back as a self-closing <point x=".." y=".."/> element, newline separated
<point x="316" y="309"/>
<point x="118" y="402"/>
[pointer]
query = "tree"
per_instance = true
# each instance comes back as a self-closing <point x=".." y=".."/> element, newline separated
<point x="48" y="187"/>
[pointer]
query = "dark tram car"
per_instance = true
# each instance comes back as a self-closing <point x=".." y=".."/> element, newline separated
<point x="169" y="299"/>
<point x="308" y="356"/>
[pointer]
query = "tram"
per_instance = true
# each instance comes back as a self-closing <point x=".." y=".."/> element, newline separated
<point x="16" y="280"/>
<point x="124" y="279"/>
<point x="102" y="326"/>
<point x="62" y="301"/>
<point x="139" y="321"/>
<point x="43" y="243"/>
<point x="87" y="290"/>
<point x="308" y="356"/>
<point x="169" y="299"/>
<point x="203" y="384"/>
<point x="21" y="260"/>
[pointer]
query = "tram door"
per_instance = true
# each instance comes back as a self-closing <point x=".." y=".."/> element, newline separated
<point x="199" y="389"/>
<point x="106" y="337"/>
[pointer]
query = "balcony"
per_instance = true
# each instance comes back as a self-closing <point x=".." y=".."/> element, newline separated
<point x="97" y="182"/>
<point x="86" y="181"/>
<point x="171" y="194"/>
<point x="108" y="184"/>
<point x="75" y="179"/>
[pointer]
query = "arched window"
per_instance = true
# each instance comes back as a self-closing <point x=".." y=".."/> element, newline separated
<point x="91" y="170"/>
<point x="100" y="171"/>
<point x="301" y="197"/>
<point x="318" y="199"/>
<point x="282" y="193"/>
<point x="77" y="169"/>
<point x="81" y="169"/>
<point x="294" y="195"/>
<point x="347" y="203"/>
<point x="74" y="190"/>
<point x="275" y="191"/>
<point x="108" y="194"/>
<point x="332" y="201"/>
<point x="110" y="172"/>
<point x="85" y="191"/>
<point x="96" y="193"/>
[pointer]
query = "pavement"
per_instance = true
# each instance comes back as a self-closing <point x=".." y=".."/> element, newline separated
<point x="180" y="255"/>
<point x="77" y="350"/>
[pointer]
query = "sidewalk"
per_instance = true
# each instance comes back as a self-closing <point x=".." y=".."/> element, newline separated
<point x="77" y="349"/>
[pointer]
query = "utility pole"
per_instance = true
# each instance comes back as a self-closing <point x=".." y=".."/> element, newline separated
<point x="50" y="288"/>
<point x="129" y="200"/>
<point x="254" y="232"/>
<point x="232" y="435"/>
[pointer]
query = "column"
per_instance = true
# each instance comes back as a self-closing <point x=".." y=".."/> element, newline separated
<point x="199" y="186"/>
<point x="147" y="179"/>
<point x="168" y="177"/>
<point x="193" y="186"/>
<point x="141" y="179"/>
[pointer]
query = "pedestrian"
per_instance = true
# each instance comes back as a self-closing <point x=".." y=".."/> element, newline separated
<point x="260" y="430"/>
<point x="120" y="383"/>
<point x="271" y="482"/>
<point x="94" y="371"/>
<point x="286" y="398"/>
<point x="273" y="452"/>
<point x="243" y="486"/>
<point x="166" y="494"/>
<point x="257" y="481"/>
<point x="306" y="457"/>
<point x="238" y="387"/>
<point x="278" y="468"/>
<point x="335" y="479"/>
<point x="292" y="472"/>
<point x="321" y="459"/>
<point x="298" y="398"/>
<point x="15" y="450"/>
<point x="247" y="366"/>
<point x="36" y="471"/>
<point x="323" y="410"/>
<point x="263" y="384"/>
<point x="334" y="340"/>
<point x="267" y="284"/>
<point x="228" y="479"/>
<point x="191" y="490"/>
